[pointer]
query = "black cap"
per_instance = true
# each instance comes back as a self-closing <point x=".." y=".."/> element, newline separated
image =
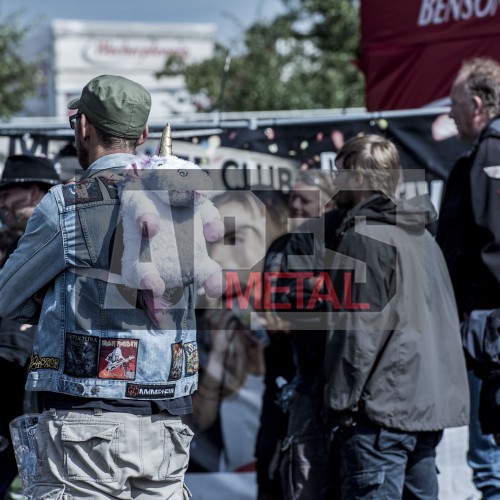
<point x="26" y="169"/>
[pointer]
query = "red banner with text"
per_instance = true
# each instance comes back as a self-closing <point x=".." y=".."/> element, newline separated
<point x="412" y="50"/>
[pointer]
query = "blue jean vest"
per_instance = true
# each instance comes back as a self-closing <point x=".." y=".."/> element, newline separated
<point x="93" y="340"/>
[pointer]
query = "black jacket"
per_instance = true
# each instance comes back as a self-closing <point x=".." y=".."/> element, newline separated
<point x="469" y="224"/>
<point x="16" y="340"/>
<point x="308" y="250"/>
<point x="469" y="235"/>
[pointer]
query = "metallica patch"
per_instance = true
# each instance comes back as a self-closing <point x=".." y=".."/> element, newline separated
<point x="176" y="365"/>
<point x="191" y="355"/>
<point x="142" y="391"/>
<point x="81" y="354"/>
<point x="118" y="359"/>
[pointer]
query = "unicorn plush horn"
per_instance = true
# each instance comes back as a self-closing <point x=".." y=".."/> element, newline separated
<point x="166" y="141"/>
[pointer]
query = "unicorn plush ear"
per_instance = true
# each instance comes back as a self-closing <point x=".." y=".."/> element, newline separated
<point x="166" y="142"/>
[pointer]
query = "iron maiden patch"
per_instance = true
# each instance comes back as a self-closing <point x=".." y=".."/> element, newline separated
<point x="81" y="354"/>
<point x="191" y="355"/>
<point x="176" y="365"/>
<point x="143" y="391"/>
<point x="118" y="359"/>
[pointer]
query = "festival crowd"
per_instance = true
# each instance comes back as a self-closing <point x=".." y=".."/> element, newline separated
<point x="337" y="330"/>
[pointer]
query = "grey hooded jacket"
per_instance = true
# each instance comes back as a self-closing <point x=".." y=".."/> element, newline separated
<point x="394" y="353"/>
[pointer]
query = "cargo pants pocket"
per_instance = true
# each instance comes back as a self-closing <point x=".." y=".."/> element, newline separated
<point x="176" y="441"/>
<point x="366" y="479"/>
<point x="48" y="492"/>
<point x="90" y="451"/>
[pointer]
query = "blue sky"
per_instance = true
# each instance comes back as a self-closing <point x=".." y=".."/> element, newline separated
<point x="230" y="16"/>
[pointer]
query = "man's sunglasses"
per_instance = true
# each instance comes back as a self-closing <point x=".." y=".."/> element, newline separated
<point x="72" y="120"/>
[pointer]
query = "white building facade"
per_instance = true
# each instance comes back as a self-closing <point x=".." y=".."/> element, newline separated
<point x="73" y="52"/>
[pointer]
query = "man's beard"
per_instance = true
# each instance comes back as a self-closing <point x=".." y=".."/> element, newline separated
<point x="17" y="218"/>
<point x="82" y="151"/>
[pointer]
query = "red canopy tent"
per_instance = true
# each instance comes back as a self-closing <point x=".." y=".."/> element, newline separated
<point x="411" y="50"/>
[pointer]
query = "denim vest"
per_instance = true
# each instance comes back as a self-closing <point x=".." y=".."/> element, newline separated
<point x="93" y="340"/>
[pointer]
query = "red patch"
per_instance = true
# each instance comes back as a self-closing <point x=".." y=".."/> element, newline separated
<point x="118" y="359"/>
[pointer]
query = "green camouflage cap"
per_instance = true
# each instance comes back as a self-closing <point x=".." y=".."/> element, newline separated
<point x="116" y="105"/>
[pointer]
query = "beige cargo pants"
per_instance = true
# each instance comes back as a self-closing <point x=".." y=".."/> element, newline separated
<point x="91" y="454"/>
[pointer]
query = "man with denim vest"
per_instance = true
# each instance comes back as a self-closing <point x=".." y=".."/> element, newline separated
<point x="114" y="384"/>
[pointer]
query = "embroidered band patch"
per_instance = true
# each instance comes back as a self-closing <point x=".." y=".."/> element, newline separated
<point x="150" y="391"/>
<point x="43" y="363"/>
<point x="191" y="355"/>
<point x="176" y="364"/>
<point x="81" y="355"/>
<point x="118" y="359"/>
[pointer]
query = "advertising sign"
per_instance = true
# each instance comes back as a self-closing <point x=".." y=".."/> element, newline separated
<point x="412" y="50"/>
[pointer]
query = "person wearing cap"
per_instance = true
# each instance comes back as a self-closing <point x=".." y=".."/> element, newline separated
<point x="24" y="182"/>
<point x="114" y="384"/>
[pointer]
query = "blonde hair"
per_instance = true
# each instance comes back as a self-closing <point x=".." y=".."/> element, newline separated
<point x="376" y="158"/>
<point x="321" y="179"/>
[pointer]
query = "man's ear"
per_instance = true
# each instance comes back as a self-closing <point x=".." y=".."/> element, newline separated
<point x="359" y="180"/>
<point x="143" y="137"/>
<point x="478" y="104"/>
<point x="84" y="127"/>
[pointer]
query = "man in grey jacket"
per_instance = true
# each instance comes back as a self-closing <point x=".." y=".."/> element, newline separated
<point x="395" y="370"/>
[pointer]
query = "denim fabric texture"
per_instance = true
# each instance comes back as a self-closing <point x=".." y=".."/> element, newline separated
<point x="92" y="340"/>
<point x="483" y="455"/>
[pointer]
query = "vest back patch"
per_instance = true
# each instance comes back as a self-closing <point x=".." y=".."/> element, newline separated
<point x="142" y="391"/>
